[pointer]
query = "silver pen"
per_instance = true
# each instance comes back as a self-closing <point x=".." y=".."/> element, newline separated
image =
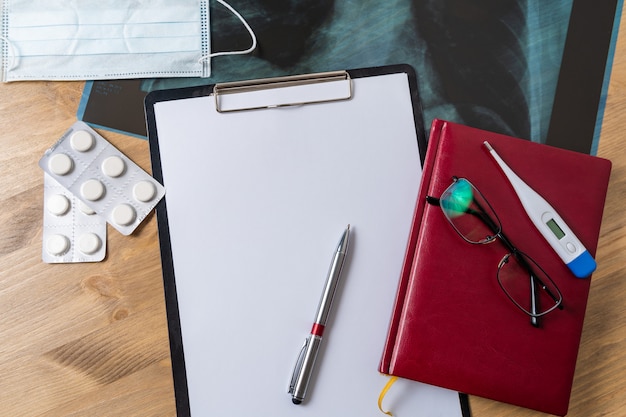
<point x="306" y="360"/>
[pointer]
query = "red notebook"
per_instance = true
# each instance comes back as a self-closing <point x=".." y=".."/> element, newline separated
<point x="452" y="325"/>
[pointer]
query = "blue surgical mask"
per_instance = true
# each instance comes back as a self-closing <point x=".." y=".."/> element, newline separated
<point x="99" y="39"/>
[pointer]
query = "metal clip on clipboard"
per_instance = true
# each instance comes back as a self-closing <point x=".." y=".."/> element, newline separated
<point x="286" y="91"/>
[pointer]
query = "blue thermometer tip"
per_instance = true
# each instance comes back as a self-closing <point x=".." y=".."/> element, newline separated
<point x="583" y="265"/>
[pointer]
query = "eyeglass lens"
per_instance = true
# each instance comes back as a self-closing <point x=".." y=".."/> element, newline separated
<point x="520" y="277"/>
<point x="469" y="212"/>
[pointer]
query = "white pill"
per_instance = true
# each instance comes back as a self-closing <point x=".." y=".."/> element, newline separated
<point x="123" y="214"/>
<point x="60" y="164"/>
<point x="113" y="166"/>
<point x="57" y="245"/>
<point x="81" y="140"/>
<point x="92" y="190"/>
<point x="85" y="208"/>
<point x="144" y="191"/>
<point x="89" y="243"/>
<point x="58" y="204"/>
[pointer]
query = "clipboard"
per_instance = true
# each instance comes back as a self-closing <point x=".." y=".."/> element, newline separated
<point x="261" y="178"/>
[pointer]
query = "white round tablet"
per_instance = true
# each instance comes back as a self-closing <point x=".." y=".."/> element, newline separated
<point x="60" y="164"/>
<point x="58" y="204"/>
<point x="85" y="208"/>
<point x="92" y="190"/>
<point x="82" y="141"/>
<point x="89" y="243"/>
<point x="144" y="191"/>
<point x="123" y="214"/>
<point x="57" y="245"/>
<point x="113" y="166"/>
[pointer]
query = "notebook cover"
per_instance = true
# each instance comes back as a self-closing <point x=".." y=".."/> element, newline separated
<point x="452" y="325"/>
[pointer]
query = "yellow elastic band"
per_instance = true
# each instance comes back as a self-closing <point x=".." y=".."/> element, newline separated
<point x="384" y="392"/>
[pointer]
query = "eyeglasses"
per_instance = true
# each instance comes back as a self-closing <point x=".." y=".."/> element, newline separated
<point x="524" y="282"/>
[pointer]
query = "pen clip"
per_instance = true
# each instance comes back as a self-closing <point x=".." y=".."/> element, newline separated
<point x="298" y="366"/>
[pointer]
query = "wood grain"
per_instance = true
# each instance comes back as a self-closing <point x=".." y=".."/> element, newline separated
<point x="91" y="339"/>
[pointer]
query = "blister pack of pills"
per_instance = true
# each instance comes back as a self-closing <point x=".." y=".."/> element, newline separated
<point x="102" y="177"/>
<point x="72" y="232"/>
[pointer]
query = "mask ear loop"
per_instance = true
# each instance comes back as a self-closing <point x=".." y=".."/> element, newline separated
<point x="247" y="26"/>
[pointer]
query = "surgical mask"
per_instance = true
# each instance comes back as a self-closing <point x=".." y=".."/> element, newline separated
<point x="99" y="39"/>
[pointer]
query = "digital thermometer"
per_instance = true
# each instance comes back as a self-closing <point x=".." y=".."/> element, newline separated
<point x="549" y="223"/>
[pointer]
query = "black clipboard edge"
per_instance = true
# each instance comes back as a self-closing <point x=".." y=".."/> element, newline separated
<point x="167" y="262"/>
<point x="465" y="405"/>
<point x="177" y="355"/>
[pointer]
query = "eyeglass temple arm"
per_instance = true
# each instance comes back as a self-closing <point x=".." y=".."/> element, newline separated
<point x="534" y="299"/>
<point x="482" y="214"/>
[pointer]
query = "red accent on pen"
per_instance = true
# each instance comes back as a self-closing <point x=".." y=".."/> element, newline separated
<point x="317" y="330"/>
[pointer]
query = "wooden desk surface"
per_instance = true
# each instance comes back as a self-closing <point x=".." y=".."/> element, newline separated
<point x="91" y="339"/>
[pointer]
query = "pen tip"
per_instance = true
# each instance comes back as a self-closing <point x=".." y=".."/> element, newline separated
<point x="296" y="401"/>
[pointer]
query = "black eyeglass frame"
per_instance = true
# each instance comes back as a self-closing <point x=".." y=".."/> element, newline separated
<point x="496" y="228"/>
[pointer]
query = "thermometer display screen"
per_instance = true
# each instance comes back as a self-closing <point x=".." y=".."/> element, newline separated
<point x="554" y="227"/>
